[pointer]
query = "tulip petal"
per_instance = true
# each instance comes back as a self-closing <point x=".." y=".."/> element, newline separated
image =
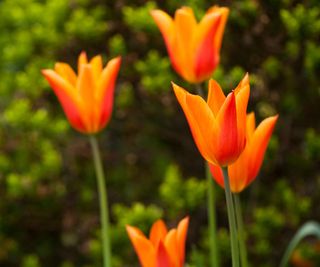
<point x="251" y="125"/>
<point x="96" y="65"/>
<point x="238" y="172"/>
<point x="163" y="258"/>
<point x="158" y="232"/>
<point x="206" y="57"/>
<point x="242" y="93"/>
<point x="82" y="59"/>
<point x="216" y="97"/>
<point x="217" y="174"/>
<point x="171" y="244"/>
<point x="67" y="98"/>
<point x="201" y="121"/>
<point x="227" y="148"/>
<point x="86" y="88"/>
<point x="244" y="82"/>
<point x="167" y="29"/>
<point x="105" y="92"/>
<point x="181" y="237"/>
<point x="65" y="71"/>
<point x="224" y="12"/>
<point x="165" y="24"/>
<point x="258" y="146"/>
<point x="143" y="247"/>
<point x="185" y="25"/>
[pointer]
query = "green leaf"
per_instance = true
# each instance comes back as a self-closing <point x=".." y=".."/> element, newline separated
<point x="308" y="229"/>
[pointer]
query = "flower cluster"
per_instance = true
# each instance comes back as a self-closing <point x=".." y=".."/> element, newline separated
<point x="224" y="133"/>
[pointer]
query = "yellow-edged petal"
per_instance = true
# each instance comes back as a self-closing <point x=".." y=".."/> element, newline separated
<point x="181" y="237"/>
<point x="97" y="65"/>
<point x="201" y="121"/>
<point x="251" y="125"/>
<point x="65" y="71"/>
<point x="224" y="12"/>
<point x="216" y="97"/>
<point x="86" y="88"/>
<point x="165" y="24"/>
<point x="171" y="244"/>
<point x="258" y="145"/>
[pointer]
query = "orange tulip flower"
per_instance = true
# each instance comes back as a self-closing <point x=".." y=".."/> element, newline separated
<point x="194" y="48"/>
<point x="163" y="248"/>
<point x="86" y="99"/>
<point x="218" y="126"/>
<point x="243" y="171"/>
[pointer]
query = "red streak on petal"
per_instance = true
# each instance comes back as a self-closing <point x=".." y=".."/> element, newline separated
<point x="163" y="259"/>
<point x="207" y="56"/>
<point x="68" y="105"/>
<point x="227" y="149"/>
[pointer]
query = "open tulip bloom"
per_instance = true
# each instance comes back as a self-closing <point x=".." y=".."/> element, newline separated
<point x="163" y="248"/>
<point x="194" y="48"/>
<point x="245" y="169"/>
<point x="218" y="126"/>
<point x="86" y="99"/>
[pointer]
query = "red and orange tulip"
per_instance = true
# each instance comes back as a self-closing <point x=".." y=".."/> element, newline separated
<point x="243" y="171"/>
<point x="86" y="99"/>
<point x="163" y="248"/>
<point x="194" y="48"/>
<point x="218" y="126"/>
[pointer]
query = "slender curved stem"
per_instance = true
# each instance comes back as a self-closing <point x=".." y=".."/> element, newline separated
<point x="212" y="225"/>
<point x="241" y="234"/>
<point x="232" y="222"/>
<point x="214" y="256"/>
<point x="103" y="198"/>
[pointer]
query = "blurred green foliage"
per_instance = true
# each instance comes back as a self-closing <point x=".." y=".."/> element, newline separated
<point x="48" y="200"/>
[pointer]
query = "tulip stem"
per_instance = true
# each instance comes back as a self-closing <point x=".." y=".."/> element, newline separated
<point x="232" y="222"/>
<point x="103" y="198"/>
<point x="241" y="234"/>
<point x="214" y="257"/>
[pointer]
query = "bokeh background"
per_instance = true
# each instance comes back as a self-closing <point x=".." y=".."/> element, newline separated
<point x="49" y="213"/>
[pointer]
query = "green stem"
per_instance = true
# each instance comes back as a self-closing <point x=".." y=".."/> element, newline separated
<point x="241" y="234"/>
<point x="103" y="198"/>
<point x="214" y="257"/>
<point x="232" y="222"/>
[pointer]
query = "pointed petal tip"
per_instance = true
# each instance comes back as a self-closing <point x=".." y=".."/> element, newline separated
<point x="45" y="71"/>
<point x="225" y="11"/>
<point x="132" y="231"/>
<point x="186" y="219"/>
<point x="184" y="222"/>
<point x="83" y="54"/>
<point x="154" y="12"/>
<point x="49" y="74"/>
<point x="177" y="88"/>
<point x="273" y="119"/>
<point x="245" y="79"/>
<point x="159" y="221"/>
<point x="118" y="59"/>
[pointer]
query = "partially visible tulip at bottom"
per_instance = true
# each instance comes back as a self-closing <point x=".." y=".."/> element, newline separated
<point x="163" y="248"/>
